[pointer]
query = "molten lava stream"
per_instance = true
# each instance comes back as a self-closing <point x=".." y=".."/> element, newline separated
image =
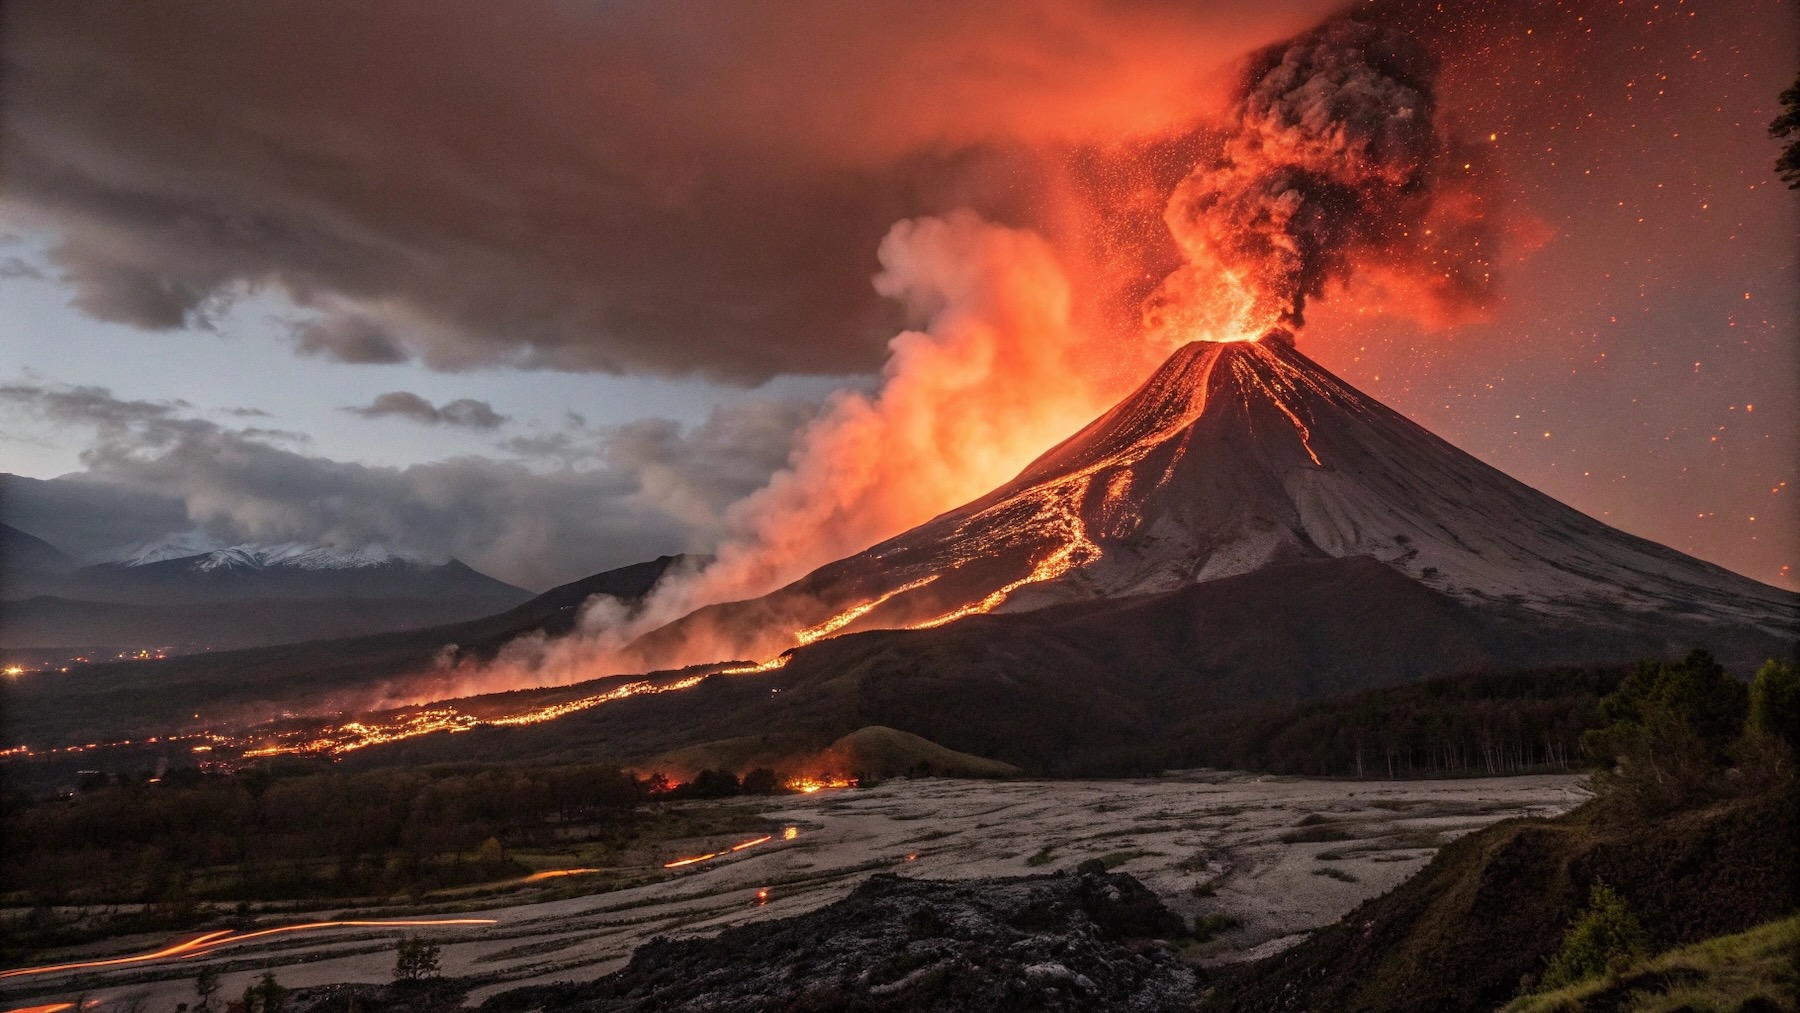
<point x="230" y="937"/>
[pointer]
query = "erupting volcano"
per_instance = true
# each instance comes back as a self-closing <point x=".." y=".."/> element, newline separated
<point x="1233" y="457"/>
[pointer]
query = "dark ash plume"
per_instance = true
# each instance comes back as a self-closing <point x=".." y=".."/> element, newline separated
<point x="1333" y="161"/>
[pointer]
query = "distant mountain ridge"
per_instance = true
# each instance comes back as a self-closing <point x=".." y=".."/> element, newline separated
<point x="166" y="594"/>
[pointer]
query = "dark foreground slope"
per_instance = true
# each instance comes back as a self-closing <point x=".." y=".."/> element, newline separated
<point x="1491" y="908"/>
<point x="1082" y="941"/>
<point x="122" y="700"/>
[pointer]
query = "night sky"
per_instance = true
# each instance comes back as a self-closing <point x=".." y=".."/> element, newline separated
<point x="550" y="287"/>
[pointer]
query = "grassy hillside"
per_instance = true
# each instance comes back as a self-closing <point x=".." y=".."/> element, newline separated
<point x="1750" y="971"/>
<point x="1695" y="833"/>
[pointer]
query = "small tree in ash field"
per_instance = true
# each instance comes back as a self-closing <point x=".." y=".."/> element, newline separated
<point x="415" y="959"/>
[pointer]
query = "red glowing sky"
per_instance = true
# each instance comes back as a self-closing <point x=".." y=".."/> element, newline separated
<point x="641" y="213"/>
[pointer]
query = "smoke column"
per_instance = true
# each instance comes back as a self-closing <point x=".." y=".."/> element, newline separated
<point x="1332" y="161"/>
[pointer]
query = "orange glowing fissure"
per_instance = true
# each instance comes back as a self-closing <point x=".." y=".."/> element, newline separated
<point x="557" y="873"/>
<point x="356" y="735"/>
<point x="787" y="834"/>
<point x="230" y="937"/>
<point x="852" y="614"/>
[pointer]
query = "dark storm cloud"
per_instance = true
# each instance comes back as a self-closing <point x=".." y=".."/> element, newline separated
<point x="673" y="188"/>
<point x="463" y="412"/>
<point x="85" y="517"/>
<point x="617" y="496"/>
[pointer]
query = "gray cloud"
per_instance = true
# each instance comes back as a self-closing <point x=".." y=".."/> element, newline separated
<point x="674" y="188"/>
<point x="463" y="412"/>
<point x="18" y="267"/>
<point x="583" y="500"/>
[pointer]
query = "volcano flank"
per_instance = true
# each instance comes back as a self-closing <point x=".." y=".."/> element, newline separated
<point x="1244" y="530"/>
<point x="1231" y="459"/>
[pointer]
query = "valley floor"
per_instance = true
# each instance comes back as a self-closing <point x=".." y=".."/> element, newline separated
<point x="1280" y="855"/>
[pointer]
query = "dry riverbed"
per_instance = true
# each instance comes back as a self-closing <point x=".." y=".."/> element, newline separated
<point x="1281" y="856"/>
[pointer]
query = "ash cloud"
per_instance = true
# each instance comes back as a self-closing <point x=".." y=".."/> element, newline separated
<point x="1333" y="161"/>
<point x="671" y="188"/>
<point x="465" y="413"/>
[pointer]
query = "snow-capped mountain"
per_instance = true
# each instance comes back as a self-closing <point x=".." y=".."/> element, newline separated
<point x="1230" y="459"/>
<point x="190" y="590"/>
<point x="206" y="553"/>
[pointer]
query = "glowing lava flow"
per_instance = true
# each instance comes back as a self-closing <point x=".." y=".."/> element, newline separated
<point x="1277" y="398"/>
<point x="356" y="735"/>
<point x="230" y="937"/>
<point x="1077" y="550"/>
<point x="709" y="856"/>
<point x="852" y="614"/>
<point x="768" y="666"/>
<point x="808" y="785"/>
<point x="556" y="874"/>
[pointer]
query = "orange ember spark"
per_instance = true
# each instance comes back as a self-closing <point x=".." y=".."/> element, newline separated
<point x="557" y="873"/>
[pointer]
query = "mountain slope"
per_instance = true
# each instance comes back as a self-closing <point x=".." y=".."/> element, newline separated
<point x="1234" y="457"/>
<point x="286" y="571"/>
<point x="118" y="700"/>
<point x="232" y="597"/>
<point x="27" y="560"/>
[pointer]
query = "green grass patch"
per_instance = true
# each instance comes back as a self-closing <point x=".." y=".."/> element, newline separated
<point x="1043" y="856"/>
<point x="1754" y="970"/>
<point x="1209" y="927"/>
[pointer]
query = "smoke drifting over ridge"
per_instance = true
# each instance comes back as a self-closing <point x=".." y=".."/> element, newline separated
<point x="1333" y="160"/>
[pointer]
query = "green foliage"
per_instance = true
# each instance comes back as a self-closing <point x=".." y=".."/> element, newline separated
<point x="708" y="784"/>
<point x="206" y="985"/>
<point x="1209" y="927"/>
<point x="1670" y="728"/>
<point x="1775" y="702"/>
<point x="762" y="781"/>
<point x="416" y="959"/>
<point x="266" y="996"/>
<point x="1604" y="938"/>
<point x="1787" y="127"/>
<point x="1742" y="973"/>
<point x="1482" y="724"/>
<point x="316" y="834"/>
<point x="1694" y="693"/>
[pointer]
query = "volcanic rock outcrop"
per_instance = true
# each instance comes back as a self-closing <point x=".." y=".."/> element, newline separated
<point x="1068" y="941"/>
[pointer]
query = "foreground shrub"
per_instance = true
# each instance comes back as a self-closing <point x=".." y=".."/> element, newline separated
<point x="1670" y="729"/>
<point x="1606" y="937"/>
